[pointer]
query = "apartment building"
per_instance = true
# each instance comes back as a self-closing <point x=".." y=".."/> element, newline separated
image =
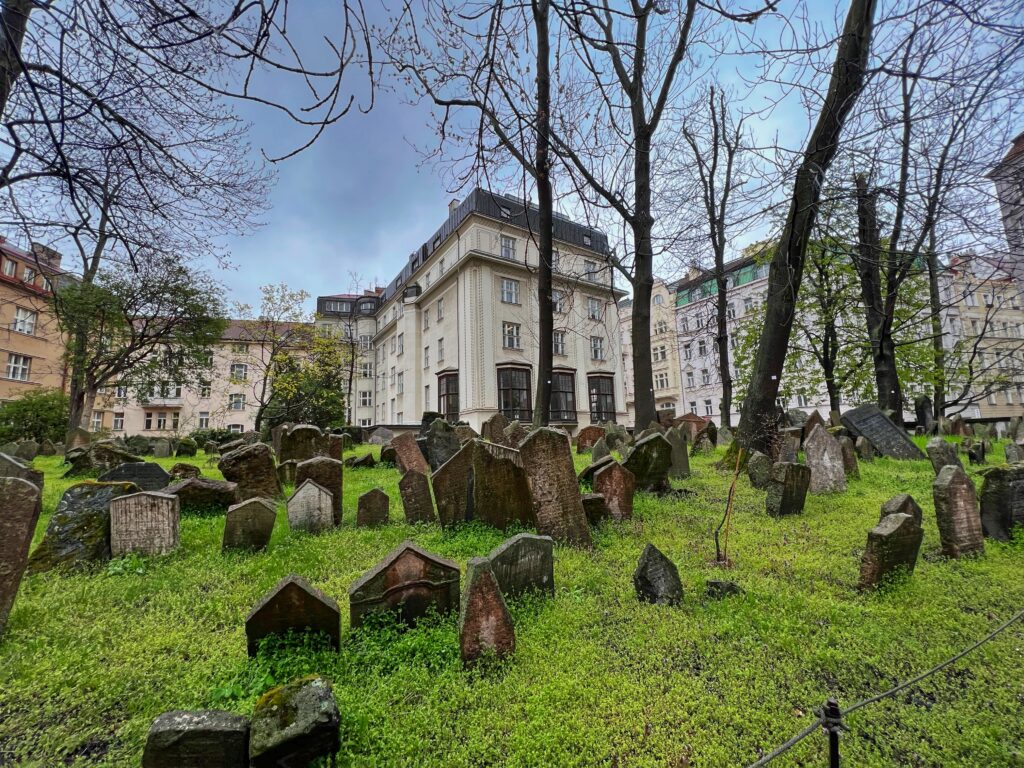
<point x="31" y="344"/>
<point x="665" y="367"/>
<point x="1008" y="177"/>
<point x="353" y="317"/>
<point x="456" y="330"/>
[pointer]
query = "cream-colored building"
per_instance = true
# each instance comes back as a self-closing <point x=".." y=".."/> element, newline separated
<point x="664" y="353"/>
<point x="352" y="316"/>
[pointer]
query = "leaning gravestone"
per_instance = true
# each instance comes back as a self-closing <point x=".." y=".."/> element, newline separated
<point x="485" y="625"/>
<point x="524" y="563"/>
<point x="957" y="513"/>
<point x="588" y="472"/>
<point x="617" y="485"/>
<point x="203" y="495"/>
<point x="588" y="437"/>
<point x="595" y="508"/>
<point x="409" y="581"/>
<point x="515" y="433"/>
<point x="252" y="468"/>
<point x="787" y="489"/>
<point x="547" y="459"/>
<point x="465" y="433"/>
<point x="409" y="454"/>
<point x="923" y="413"/>
<point x="181" y="471"/>
<point x="22" y="505"/>
<point x="207" y="738"/>
<point x="796" y="418"/>
<point x="297" y="724"/>
<point x="813" y="420"/>
<point x="849" y="451"/>
<point x="145" y="523"/>
<point x="13" y="467"/>
<point x="453" y="487"/>
<point x="501" y="494"/>
<point x="77" y="438"/>
<point x="650" y="461"/>
<point x="310" y="508"/>
<point x="292" y="604"/>
<point x="615" y="436"/>
<point x="885" y="437"/>
<point x="372" y="508"/>
<point x="825" y="460"/>
<point x="148" y="475"/>
<point x="656" y="579"/>
<point x="414" y="489"/>
<point x="892" y="545"/>
<point x="248" y="526"/>
<point x="366" y="461"/>
<point x="494" y="429"/>
<point x="680" y="465"/>
<point x="327" y="473"/>
<point x="599" y="450"/>
<point x="439" y="443"/>
<point x="1002" y="501"/>
<point x="78" y="532"/>
<point x="97" y="457"/>
<point x="759" y="470"/>
<point x="27" y="450"/>
<point x="902" y="504"/>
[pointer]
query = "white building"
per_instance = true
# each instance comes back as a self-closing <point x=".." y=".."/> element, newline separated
<point x="665" y="369"/>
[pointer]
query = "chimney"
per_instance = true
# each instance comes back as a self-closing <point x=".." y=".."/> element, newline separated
<point x="453" y="205"/>
<point x="46" y="255"/>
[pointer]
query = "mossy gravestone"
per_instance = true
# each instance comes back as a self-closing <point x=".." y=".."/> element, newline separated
<point x="650" y="461"/>
<point x="22" y="505"/>
<point x="942" y="453"/>
<point x="294" y="725"/>
<point x="1002" y="501"/>
<point x="248" y="526"/>
<point x="825" y="460"/>
<point x="892" y="546"/>
<point x="11" y="466"/>
<point x="524" y="563"/>
<point x="957" y="513"/>
<point x="501" y="494"/>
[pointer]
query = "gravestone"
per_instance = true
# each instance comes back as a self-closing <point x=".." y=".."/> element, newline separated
<point x="796" y="418"/>
<point x="656" y="579"/>
<point x="389" y="456"/>
<point x="78" y="532"/>
<point x="485" y="625"/>
<point x="599" y="450"/>
<point x="252" y="468"/>
<point x="426" y="419"/>
<point x="813" y="420"/>
<point x="286" y="472"/>
<point x="524" y="563"/>
<point x="77" y="438"/>
<point x="409" y="454"/>
<point x="501" y="494"/>
<point x="248" y="526"/>
<point x="885" y="437"/>
<point x="381" y="436"/>
<point x="231" y="445"/>
<point x="705" y="440"/>
<point x="47" y="448"/>
<point x="11" y="449"/>
<point x="588" y="437"/>
<point x="923" y="413"/>
<point x="679" y="467"/>
<point x="27" y="451"/>
<point x="759" y="470"/>
<point x="13" y="467"/>
<point x="902" y="504"/>
<point x="957" y="513"/>
<point x="210" y="448"/>
<point x="409" y="581"/>
<point x="557" y="508"/>
<point x="587" y="473"/>
<point x="1014" y="453"/>
<point x="725" y="436"/>
<point x="849" y="451"/>
<point x="250" y="437"/>
<point x="148" y="475"/>
<point x="717" y="589"/>
<point x="465" y="433"/>
<point x="97" y="458"/>
<point x="617" y="485"/>
<point x="1002" y="501"/>
<point x="453" y="487"/>
<point x="825" y="460"/>
<point x="439" y="443"/>
<point x="976" y="453"/>
<point x="366" y="461"/>
<point x="494" y="429"/>
<point x="161" y="448"/>
<point x="22" y="505"/>
<point x="615" y="437"/>
<point x="865" y="450"/>
<point x="182" y="471"/>
<point x="145" y="523"/>
<point x="691" y="424"/>
<point x="206" y="738"/>
<point x="789" y="444"/>
<point x="338" y="444"/>
<point x="595" y="508"/>
<point x="787" y="489"/>
<point x="515" y="433"/>
<point x="292" y="604"/>
<point x="414" y="488"/>
<point x="310" y="508"/>
<point x="327" y="473"/>
<point x="276" y="433"/>
<point x="203" y="495"/>
<point x="302" y="442"/>
<point x="650" y="461"/>
<point x="295" y="725"/>
<point x="892" y="546"/>
<point x="372" y="508"/>
<point x="140" y="445"/>
<point x="187" y="447"/>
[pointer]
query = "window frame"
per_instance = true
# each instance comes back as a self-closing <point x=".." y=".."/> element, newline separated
<point x="602" y="403"/>
<point x="513" y="393"/>
<point x="447" y="397"/>
<point x="563" y="394"/>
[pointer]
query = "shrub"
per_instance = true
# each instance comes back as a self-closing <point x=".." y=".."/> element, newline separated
<point x="41" y="415"/>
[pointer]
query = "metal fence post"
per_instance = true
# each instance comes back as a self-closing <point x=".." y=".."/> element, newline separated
<point x="832" y="721"/>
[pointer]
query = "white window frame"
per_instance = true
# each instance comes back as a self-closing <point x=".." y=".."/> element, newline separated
<point x="558" y="343"/>
<point x="236" y="401"/>
<point x="597" y="348"/>
<point x="204" y="419"/>
<point x="594" y="309"/>
<point x="509" y="291"/>
<point x="25" y="321"/>
<point x="19" y="367"/>
<point x="118" y="422"/>
<point x="508" y="247"/>
<point x="511" y="336"/>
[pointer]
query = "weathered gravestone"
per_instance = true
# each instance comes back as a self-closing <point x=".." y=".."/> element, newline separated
<point x="865" y="450"/>
<point x="366" y="461"/>
<point x="587" y="473"/>
<point x="231" y="445"/>
<point x="923" y="413"/>
<point x="825" y="460"/>
<point x="276" y="433"/>
<point x="485" y="625"/>
<point x="494" y="429"/>
<point x="787" y="489"/>
<point x="885" y="437"/>
<point x="515" y="433"/>
<point x="759" y="470"/>
<point x="501" y="494"/>
<point x="78" y="532"/>
<point x="957" y="513"/>
<point x="161" y="448"/>
<point x="650" y="461"/>
<point x="414" y="488"/>
<point x="1014" y="453"/>
<point x="286" y="472"/>
<point x="409" y="454"/>
<point x="615" y="436"/>
<point x="389" y="456"/>
<point x="703" y="442"/>
<point x="27" y="450"/>
<point x="718" y="589"/>
<point x="524" y="563"/>
<point x="208" y="738"/>
<point x="453" y="487"/>
<point x="381" y="436"/>
<point x="297" y="724"/>
<point x="976" y="452"/>
<point x="302" y="442"/>
<point x="656" y="579"/>
<point x="47" y="448"/>
<point x="22" y="505"/>
<point x="595" y="508"/>
<point x="203" y="495"/>
<point x="252" y="468"/>
<point x="310" y="508"/>
<point x="211" y="448"/>
<point x="465" y="433"/>
<point x="145" y="474"/>
<point x="599" y="450"/>
<point x="588" y="437"/>
<point x="1002" y="501"/>
<point x="691" y="424"/>
<point x="97" y="457"/>
<point x="183" y="471"/>
<point x="140" y="445"/>
<point x="849" y="451"/>
<point x="892" y="545"/>
<point x="409" y="581"/>
<point x="902" y="504"/>
<point x="372" y="508"/>
<point x="439" y="443"/>
<point x="146" y="523"/>
<point x="14" y="467"/>
<point x="77" y="438"/>
<point x="554" y="488"/>
<point x="11" y="449"/>
<point x="617" y="485"/>
<point x="796" y="418"/>
<point x="679" y="467"/>
<point x="248" y="526"/>
<point x="813" y="420"/>
<point x="327" y="473"/>
<point x="186" y="447"/>
<point x="292" y="605"/>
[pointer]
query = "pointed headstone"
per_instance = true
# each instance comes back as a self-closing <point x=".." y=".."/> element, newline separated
<point x="310" y="508"/>
<point x="414" y="488"/>
<point x="617" y="484"/>
<point x="22" y="505"/>
<point x="599" y="451"/>
<point x="547" y="458"/>
<point x="372" y="508"/>
<point x="656" y="579"/>
<point x="494" y="429"/>
<point x="650" y="461"/>
<point x="485" y="625"/>
<point x="903" y="504"/>
<point x="524" y="563"/>
<point x="292" y="604"/>
<point x="825" y="460"/>
<point x="327" y="473"/>
<point x="813" y="420"/>
<point x="248" y="526"/>
<point x="892" y="546"/>
<point x="957" y="513"/>
<point x="588" y="437"/>
<point x="942" y="452"/>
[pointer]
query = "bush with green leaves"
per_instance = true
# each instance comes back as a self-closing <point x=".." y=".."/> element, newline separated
<point x="40" y="415"/>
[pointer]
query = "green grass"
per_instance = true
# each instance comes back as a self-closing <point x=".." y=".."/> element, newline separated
<point x="597" y="679"/>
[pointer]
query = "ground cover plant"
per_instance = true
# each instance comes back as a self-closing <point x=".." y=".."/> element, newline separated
<point x="598" y="678"/>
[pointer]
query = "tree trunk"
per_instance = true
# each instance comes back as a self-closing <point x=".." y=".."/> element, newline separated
<point x="938" y="350"/>
<point x="77" y="387"/>
<point x="760" y="412"/>
<point x="830" y="353"/>
<point x="643" y="286"/>
<point x="545" y="202"/>
<point x="13" y="23"/>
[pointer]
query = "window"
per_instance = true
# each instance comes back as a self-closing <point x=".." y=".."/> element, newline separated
<point x="702" y="347"/>
<point x="748" y="304"/>
<point x="556" y="258"/>
<point x="149" y="420"/>
<point x="426" y="395"/>
<point x="1009" y="397"/>
<point x="689" y="379"/>
<point x="10" y="268"/>
<point x="426" y="321"/>
<point x="365" y="422"/>
<point x="426" y="356"/>
<point x="448" y="396"/>
<point x="392" y="345"/>
<point x="602" y="398"/>
<point x="440" y="309"/>
<point x="587" y="240"/>
<point x="730" y="312"/>
<point x="440" y="267"/>
<point x="240" y="349"/>
<point x="204" y="391"/>
<point x="685" y="325"/>
<point x="687" y="351"/>
<point x="659" y="353"/>
<point x="593" y="309"/>
<point x="661" y="381"/>
<point x="510" y="336"/>
<point x="96" y="421"/>
<point x="365" y="399"/>
<point x="204" y="419"/>
<point x="693" y="407"/>
<point x="514" y="394"/>
<point x="563" y="396"/>
<point x="558" y="302"/>
<point x="660" y="327"/>
<point x="558" y="343"/>
<point x="161" y="420"/>
<point x="119" y="421"/>
<point x="708" y="410"/>
<point x="509" y="291"/>
<point x="18" y="367"/>
<point x="992" y="398"/>
<point x="236" y="429"/>
<point x="29" y="275"/>
<point x="121" y="392"/>
<point x="589" y="269"/>
<point x="401" y="383"/>
<point x="236" y="402"/>
<point x="597" y="347"/>
<point x="366" y="370"/>
<point x="988" y="299"/>
<point x="700" y="321"/>
<point x="970" y="299"/>
<point x="365" y="341"/>
<point x="440" y="350"/>
<point x="508" y="248"/>
<point x="705" y="376"/>
<point x="401" y="343"/>
<point x="659" y="300"/>
<point x="24" y="321"/>
<point x="392" y="375"/>
<point x="175" y="420"/>
<point x="239" y="371"/>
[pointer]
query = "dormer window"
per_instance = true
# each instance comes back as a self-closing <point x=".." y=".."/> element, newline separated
<point x="587" y="240"/>
<point x="505" y="212"/>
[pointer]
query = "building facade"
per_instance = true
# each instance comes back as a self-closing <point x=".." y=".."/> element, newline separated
<point x="665" y="367"/>
<point x="1008" y="178"/>
<point x="353" y="317"/>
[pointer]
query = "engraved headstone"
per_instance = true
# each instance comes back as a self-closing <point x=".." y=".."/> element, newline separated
<point x="902" y="504"/>
<point x="22" y="505"/>
<point x="372" y="508"/>
<point x="680" y="466"/>
<point x="203" y="495"/>
<point x="759" y="470"/>
<point x="292" y="604"/>
<point x="485" y="625"/>
<point x="249" y="525"/>
<point x="957" y="513"/>
<point x="414" y="489"/>
<point x="617" y="485"/>
<point x="327" y="473"/>
<point x="656" y="579"/>
<point x="523" y="564"/>
<point x="885" y="436"/>
<point x="439" y="443"/>
<point x="1002" y="501"/>
<point x="410" y="581"/>
<point x="409" y="454"/>
<point x="206" y="738"/>
<point x="515" y="433"/>
<point x="813" y="420"/>
<point x="825" y="460"/>
<point x="465" y="433"/>
<point x="587" y="437"/>
<point x="547" y="458"/>
<point x="145" y="523"/>
<point x="453" y="487"/>
<point x="381" y="436"/>
<point x="310" y="508"/>
<point x="252" y="468"/>
<point x="297" y="724"/>
<point x="148" y="475"/>
<point x="501" y="494"/>
<point x="787" y="489"/>
<point x="892" y="545"/>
